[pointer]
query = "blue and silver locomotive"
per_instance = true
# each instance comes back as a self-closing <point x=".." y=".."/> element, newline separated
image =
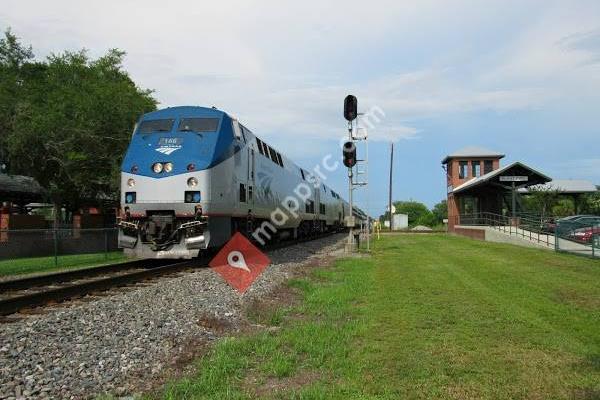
<point x="193" y="176"/>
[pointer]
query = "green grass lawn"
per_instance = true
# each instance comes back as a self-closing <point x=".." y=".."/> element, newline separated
<point x="427" y="316"/>
<point x="47" y="264"/>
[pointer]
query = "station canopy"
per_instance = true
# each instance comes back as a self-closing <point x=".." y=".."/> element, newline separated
<point x="19" y="189"/>
<point x="566" y="186"/>
<point x="517" y="172"/>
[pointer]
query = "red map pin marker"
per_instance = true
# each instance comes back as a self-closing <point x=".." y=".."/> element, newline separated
<point x="239" y="262"/>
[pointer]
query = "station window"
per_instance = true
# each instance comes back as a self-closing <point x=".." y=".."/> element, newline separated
<point x="279" y="159"/>
<point x="302" y="172"/>
<point x="242" y="193"/>
<point x="250" y="192"/>
<point x="322" y="208"/>
<point x="488" y="166"/>
<point x="463" y="169"/>
<point x="475" y="168"/>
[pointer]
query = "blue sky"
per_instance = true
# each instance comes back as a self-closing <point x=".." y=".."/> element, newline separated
<point x="519" y="77"/>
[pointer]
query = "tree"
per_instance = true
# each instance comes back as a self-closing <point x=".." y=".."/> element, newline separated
<point x="72" y="124"/>
<point x="564" y="207"/>
<point x="413" y="209"/>
<point x="591" y="203"/>
<point x="541" y="199"/>
<point x="13" y="56"/>
<point x="440" y="211"/>
<point x="428" y="219"/>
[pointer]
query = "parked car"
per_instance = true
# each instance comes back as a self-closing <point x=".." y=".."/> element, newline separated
<point x="549" y="225"/>
<point x="566" y="226"/>
<point x="586" y="235"/>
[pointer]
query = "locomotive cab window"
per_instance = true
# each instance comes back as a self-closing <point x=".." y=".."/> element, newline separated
<point x="156" y="125"/>
<point x="198" y="125"/>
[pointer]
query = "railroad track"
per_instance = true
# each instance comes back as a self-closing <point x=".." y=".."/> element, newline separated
<point x="27" y="293"/>
<point x="19" y="294"/>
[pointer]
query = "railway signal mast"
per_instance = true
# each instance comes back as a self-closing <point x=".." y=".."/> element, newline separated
<point x="350" y="161"/>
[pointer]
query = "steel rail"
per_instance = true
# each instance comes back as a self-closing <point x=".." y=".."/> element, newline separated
<point x="65" y="276"/>
<point x="14" y="304"/>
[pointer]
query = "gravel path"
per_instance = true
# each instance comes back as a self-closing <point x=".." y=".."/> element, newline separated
<point x="111" y="344"/>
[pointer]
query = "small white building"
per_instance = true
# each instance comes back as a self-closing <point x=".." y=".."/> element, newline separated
<point x="400" y="221"/>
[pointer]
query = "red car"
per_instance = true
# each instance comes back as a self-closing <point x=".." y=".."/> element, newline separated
<point x="585" y="235"/>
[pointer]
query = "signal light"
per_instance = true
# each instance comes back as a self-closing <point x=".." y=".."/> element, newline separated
<point x="349" y="151"/>
<point x="191" y="167"/>
<point x="350" y="108"/>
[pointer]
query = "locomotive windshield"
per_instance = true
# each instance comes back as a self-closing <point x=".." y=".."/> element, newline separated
<point x="198" y="125"/>
<point x="156" y="125"/>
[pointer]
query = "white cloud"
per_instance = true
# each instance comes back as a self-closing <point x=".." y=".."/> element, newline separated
<point x="555" y="52"/>
<point x="284" y="67"/>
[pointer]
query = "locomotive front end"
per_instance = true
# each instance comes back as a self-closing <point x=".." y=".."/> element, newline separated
<point x="165" y="183"/>
<point x="155" y="225"/>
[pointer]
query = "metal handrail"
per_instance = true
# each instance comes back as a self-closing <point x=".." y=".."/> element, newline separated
<point x="534" y="230"/>
<point x="519" y="226"/>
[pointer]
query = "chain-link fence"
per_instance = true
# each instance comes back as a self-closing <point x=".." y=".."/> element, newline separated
<point x="580" y="236"/>
<point x="37" y="250"/>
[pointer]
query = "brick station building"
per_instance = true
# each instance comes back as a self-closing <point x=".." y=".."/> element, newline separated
<point x="478" y="185"/>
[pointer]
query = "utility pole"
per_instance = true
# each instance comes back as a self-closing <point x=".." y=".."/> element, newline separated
<point x="390" y="194"/>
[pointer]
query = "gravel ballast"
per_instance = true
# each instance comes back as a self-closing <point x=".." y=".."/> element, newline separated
<point x="112" y="344"/>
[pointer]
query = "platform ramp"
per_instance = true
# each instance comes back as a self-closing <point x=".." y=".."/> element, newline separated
<point x="530" y="233"/>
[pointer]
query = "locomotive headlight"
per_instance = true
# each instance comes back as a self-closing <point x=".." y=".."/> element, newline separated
<point x="131" y="182"/>
<point x="157" y="168"/>
<point x="168" y="167"/>
<point x="192" y="182"/>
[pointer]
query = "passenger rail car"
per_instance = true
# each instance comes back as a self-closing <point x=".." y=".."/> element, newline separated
<point x="193" y="176"/>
